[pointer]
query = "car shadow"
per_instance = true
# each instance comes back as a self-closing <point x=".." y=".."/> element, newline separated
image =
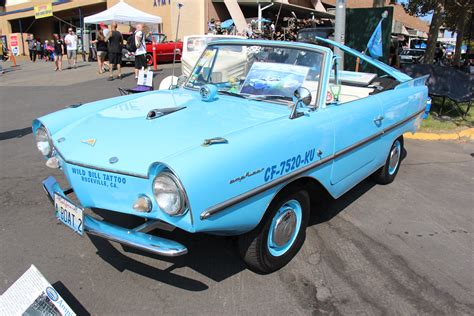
<point x="15" y="133"/>
<point x="214" y="257"/>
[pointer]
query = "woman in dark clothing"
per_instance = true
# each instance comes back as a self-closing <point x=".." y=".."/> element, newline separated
<point x="58" y="52"/>
<point x="115" y="51"/>
<point x="101" y="46"/>
<point x="39" y="49"/>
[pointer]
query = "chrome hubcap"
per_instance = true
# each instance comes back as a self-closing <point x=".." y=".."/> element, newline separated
<point x="284" y="227"/>
<point x="394" y="157"/>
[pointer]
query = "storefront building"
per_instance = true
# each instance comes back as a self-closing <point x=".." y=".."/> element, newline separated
<point x="18" y="17"/>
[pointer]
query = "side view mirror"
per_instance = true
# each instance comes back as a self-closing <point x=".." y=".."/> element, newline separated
<point x="301" y="96"/>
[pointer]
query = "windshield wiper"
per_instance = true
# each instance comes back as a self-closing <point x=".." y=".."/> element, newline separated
<point x="256" y="97"/>
<point x="235" y="94"/>
<point x="270" y="97"/>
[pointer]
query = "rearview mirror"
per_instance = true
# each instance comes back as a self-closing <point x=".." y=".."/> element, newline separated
<point x="301" y="96"/>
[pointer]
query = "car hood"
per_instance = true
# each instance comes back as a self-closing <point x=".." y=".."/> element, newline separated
<point x="122" y="130"/>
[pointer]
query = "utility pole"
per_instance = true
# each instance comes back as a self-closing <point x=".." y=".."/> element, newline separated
<point x="260" y="10"/>
<point x="339" y="30"/>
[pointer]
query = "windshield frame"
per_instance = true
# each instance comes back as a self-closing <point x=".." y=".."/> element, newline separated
<point x="291" y="45"/>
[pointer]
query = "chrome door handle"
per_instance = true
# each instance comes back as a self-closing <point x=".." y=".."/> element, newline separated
<point x="378" y="120"/>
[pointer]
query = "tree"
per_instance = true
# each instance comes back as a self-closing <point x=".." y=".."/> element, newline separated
<point x="422" y="8"/>
<point x="459" y="20"/>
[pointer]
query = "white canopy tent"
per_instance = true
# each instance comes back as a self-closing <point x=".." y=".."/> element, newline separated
<point x="122" y="13"/>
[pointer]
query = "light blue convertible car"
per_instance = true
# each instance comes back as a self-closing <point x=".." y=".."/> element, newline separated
<point x="215" y="155"/>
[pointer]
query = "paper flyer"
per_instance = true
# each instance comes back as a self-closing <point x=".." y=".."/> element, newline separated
<point x="33" y="295"/>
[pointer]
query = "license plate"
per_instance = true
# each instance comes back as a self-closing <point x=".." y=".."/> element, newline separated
<point x="69" y="214"/>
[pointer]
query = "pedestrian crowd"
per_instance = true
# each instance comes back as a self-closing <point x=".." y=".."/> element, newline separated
<point x="285" y="29"/>
<point x="53" y="49"/>
<point x="108" y="44"/>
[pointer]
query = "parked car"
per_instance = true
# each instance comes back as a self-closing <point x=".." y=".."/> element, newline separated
<point x="165" y="50"/>
<point x="193" y="47"/>
<point x="214" y="157"/>
<point x="412" y="56"/>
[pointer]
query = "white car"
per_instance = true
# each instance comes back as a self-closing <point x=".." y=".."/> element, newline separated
<point x="194" y="45"/>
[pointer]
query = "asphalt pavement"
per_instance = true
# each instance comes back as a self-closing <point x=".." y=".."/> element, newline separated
<point x="400" y="249"/>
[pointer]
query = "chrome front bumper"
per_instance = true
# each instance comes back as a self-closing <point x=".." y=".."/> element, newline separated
<point x="130" y="237"/>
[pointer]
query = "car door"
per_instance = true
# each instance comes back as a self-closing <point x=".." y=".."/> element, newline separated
<point x="357" y="130"/>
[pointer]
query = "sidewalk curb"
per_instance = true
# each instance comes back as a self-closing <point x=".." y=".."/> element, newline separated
<point x="464" y="134"/>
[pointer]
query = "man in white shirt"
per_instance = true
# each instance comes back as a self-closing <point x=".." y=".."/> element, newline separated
<point x="71" y="45"/>
<point x="140" y="53"/>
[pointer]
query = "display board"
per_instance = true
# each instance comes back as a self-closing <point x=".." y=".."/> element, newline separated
<point x="360" y="24"/>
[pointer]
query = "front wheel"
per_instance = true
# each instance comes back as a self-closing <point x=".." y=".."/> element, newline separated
<point x="280" y="235"/>
<point x="388" y="172"/>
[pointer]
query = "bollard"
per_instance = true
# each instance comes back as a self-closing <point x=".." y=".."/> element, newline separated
<point x="12" y="57"/>
<point x="154" y="54"/>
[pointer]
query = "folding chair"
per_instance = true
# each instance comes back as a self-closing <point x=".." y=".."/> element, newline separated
<point x="144" y="83"/>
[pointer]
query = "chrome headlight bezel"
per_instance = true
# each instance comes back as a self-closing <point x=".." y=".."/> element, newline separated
<point x="178" y="187"/>
<point x="42" y="135"/>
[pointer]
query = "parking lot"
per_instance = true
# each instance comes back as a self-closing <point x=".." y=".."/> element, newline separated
<point x="405" y="248"/>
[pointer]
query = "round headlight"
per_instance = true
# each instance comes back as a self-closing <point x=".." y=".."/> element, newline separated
<point x="43" y="142"/>
<point x="169" y="194"/>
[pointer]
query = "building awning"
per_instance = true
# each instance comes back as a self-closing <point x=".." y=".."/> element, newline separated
<point x="286" y="8"/>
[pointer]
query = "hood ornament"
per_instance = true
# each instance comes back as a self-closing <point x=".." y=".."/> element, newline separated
<point x="215" y="140"/>
<point x="90" y="141"/>
<point x="113" y="160"/>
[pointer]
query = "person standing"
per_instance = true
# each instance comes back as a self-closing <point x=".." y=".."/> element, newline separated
<point x="32" y="48"/>
<point x="71" y="42"/>
<point x="115" y="52"/>
<point x="58" y="52"/>
<point x="106" y="32"/>
<point x="101" y="46"/>
<point x="140" y="53"/>
<point x="39" y="49"/>
<point x="2" y="54"/>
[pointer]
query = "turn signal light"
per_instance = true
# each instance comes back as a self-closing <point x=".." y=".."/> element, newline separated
<point x="53" y="163"/>
<point x="142" y="204"/>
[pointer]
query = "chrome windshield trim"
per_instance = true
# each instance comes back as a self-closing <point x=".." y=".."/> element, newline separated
<point x="280" y="44"/>
<point x="290" y="176"/>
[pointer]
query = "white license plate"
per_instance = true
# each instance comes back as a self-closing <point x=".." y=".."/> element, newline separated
<point x="69" y="214"/>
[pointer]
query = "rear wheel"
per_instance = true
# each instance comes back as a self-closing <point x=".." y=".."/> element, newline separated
<point x="388" y="172"/>
<point x="280" y="235"/>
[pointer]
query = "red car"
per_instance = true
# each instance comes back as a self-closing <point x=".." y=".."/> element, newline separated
<point x="164" y="49"/>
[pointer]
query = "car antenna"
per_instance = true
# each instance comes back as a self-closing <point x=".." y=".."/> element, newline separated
<point x="179" y="5"/>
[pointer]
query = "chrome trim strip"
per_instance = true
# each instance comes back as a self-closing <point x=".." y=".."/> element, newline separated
<point x="239" y="198"/>
<point x="152" y="248"/>
<point x="71" y="162"/>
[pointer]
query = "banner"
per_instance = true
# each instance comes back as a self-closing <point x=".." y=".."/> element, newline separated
<point x="43" y="10"/>
<point x="14" y="44"/>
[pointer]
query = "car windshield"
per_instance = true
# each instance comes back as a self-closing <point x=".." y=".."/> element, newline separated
<point x="157" y="37"/>
<point x="258" y="71"/>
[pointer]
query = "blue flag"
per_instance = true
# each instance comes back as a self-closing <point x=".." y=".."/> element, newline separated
<point x="375" y="42"/>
